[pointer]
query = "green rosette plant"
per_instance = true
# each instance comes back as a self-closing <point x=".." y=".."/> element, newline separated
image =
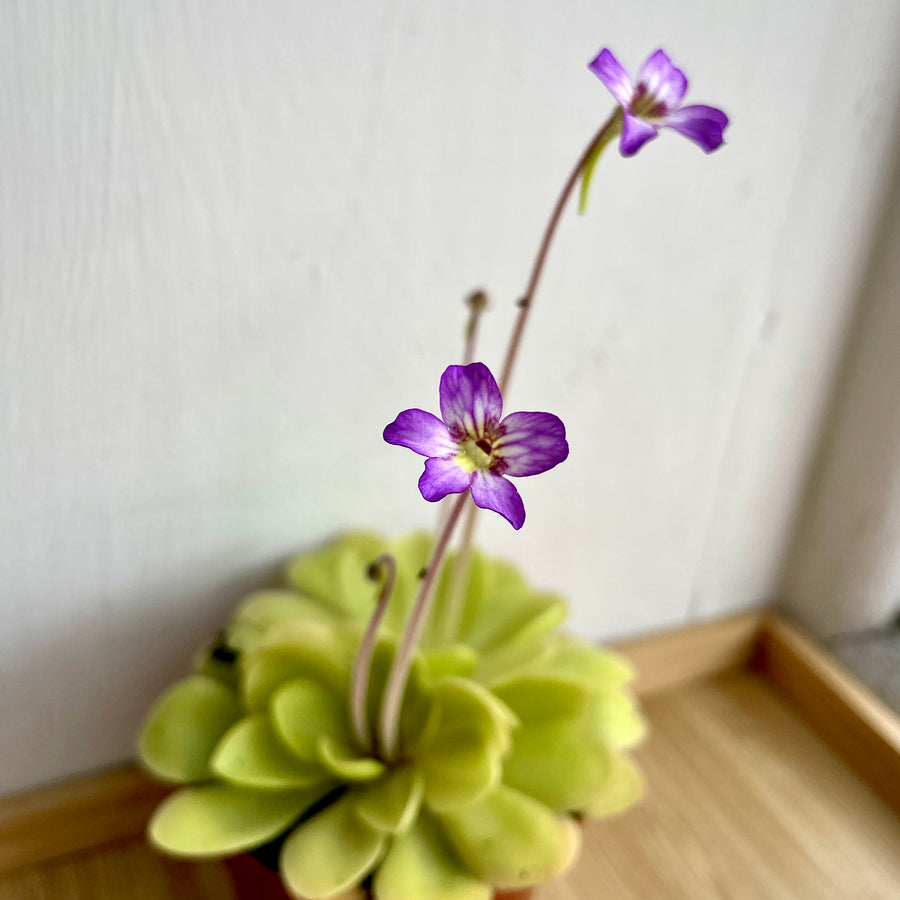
<point x="507" y="730"/>
<point x="400" y="721"/>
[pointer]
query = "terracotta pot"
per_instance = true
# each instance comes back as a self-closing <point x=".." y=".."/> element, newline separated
<point x="253" y="881"/>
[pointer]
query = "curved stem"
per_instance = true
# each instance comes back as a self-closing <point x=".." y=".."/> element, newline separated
<point x="359" y="681"/>
<point x="461" y="565"/>
<point x="389" y="717"/>
<point x="538" y="267"/>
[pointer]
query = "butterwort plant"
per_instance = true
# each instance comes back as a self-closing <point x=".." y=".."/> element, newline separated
<point x="402" y="719"/>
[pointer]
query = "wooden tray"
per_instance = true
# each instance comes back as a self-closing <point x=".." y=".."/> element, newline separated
<point x="742" y="791"/>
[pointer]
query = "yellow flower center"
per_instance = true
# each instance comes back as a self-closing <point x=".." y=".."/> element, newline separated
<point x="474" y="455"/>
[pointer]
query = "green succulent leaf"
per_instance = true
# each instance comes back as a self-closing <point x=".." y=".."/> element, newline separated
<point x="331" y="852"/>
<point x="555" y="762"/>
<point x="510" y="840"/>
<point x="211" y="820"/>
<point x="392" y="803"/>
<point x="251" y="754"/>
<point x="336" y="575"/>
<point x="421" y="864"/>
<point x="503" y="664"/>
<point x="460" y="768"/>
<point x="263" y="610"/>
<point x="466" y="705"/>
<point x="185" y="725"/>
<point x="303" y="711"/>
<point x="599" y="669"/>
<point x="453" y="659"/>
<point x="532" y="620"/>
<point x="494" y="594"/>
<point x="537" y="697"/>
<point x="502" y="611"/>
<point x="623" y="788"/>
<point x="296" y="650"/>
<point x="207" y="662"/>
<point x="337" y="756"/>
<point x="616" y="719"/>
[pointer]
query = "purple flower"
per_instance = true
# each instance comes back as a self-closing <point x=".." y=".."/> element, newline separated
<point x="473" y="448"/>
<point x="655" y="102"/>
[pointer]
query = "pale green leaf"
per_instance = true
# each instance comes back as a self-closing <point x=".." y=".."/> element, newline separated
<point x="211" y="820"/>
<point x="304" y="710"/>
<point x="599" y="669"/>
<point x="296" y="650"/>
<point x="251" y="754"/>
<point x="536" y="697"/>
<point x="330" y="853"/>
<point x="466" y="705"/>
<point x="534" y="618"/>
<point x="340" y="760"/>
<point x="336" y="575"/>
<point x="623" y="788"/>
<point x="510" y="840"/>
<point x="556" y="762"/>
<point x="460" y="768"/>
<point x="615" y="719"/>
<point x="421" y="865"/>
<point x="392" y="803"/>
<point x="262" y="610"/>
<point x="454" y="659"/>
<point x="185" y="725"/>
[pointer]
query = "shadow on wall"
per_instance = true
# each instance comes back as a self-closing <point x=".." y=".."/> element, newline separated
<point x="75" y="700"/>
<point x="843" y="569"/>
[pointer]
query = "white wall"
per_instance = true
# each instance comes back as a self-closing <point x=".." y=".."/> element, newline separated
<point x="843" y="573"/>
<point x="234" y="239"/>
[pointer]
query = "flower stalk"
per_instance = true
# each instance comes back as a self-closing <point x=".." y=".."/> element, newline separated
<point x="389" y="716"/>
<point x="582" y="169"/>
<point x="385" y="567"/>
<point x="471" y="450"/>
<point x="607" y="131"/>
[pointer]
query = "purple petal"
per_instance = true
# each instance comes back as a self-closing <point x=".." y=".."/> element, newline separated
<point x="492" y="491"/>
<point x="470" y="398"/>
<point x="421" y="431"/>
<point x="610" y="71"/>
<point x="702" y="124"/>
<point x="663" y="81"/>
<point x="442" y="477"/>
<point x="531" y="443"/>
<point x="635" y="133"/>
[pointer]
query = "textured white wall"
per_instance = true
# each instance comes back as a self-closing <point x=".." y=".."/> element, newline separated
<point x="234" y="239"/>
<point x="843" y="573"/>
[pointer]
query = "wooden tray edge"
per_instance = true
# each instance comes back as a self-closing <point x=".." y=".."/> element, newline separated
<point x="114" y="805"/>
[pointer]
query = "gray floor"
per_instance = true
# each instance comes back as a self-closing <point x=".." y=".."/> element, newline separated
<point x="874" y="657"/>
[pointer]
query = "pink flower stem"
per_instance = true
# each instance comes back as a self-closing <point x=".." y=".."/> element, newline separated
<point x="464" y="554"/>
<point x="389" y="718"/>
<point x="385" y="566"/>
<point x="537" y="268"/>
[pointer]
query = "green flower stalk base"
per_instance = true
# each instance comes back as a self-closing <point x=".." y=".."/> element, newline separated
<point x="508" y="731"/>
